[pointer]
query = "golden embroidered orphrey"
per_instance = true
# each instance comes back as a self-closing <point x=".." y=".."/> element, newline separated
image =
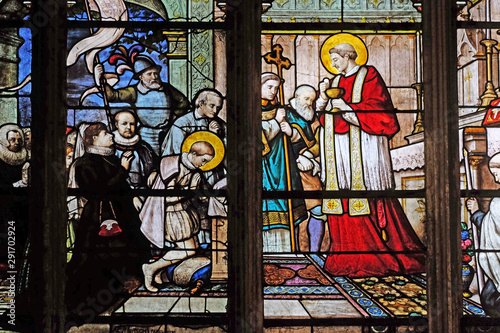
<point x="357" y="206"/>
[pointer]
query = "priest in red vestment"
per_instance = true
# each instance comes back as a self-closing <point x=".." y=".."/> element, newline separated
<point x="369" y="237"/>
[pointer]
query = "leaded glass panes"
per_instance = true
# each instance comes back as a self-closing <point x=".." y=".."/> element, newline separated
<point x="334" y="260"/>
<point x="186" y="52"/>
<point x="147" y="175"/>
<point x="477" y="69"/>
<point x="15" y="165"/>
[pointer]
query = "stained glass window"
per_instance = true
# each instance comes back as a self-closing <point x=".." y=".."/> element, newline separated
<point x="15" y="163"/>
<point x="145" y="128"/>
<point x="157" y="93"/>
<point x="477" y="80"/>
<point x="353" y="124"/>
<point x="161" y="201"/>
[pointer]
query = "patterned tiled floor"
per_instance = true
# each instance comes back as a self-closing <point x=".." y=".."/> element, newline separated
<point x="312" y="293"/>
<point x="295" y="286"/>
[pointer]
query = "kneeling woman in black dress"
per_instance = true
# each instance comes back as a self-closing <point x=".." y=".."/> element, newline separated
<point x="109" y="247"/>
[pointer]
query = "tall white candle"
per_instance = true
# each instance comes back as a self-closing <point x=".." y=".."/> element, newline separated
<point x="418" y="58"/>
<point x="488" y="18"/>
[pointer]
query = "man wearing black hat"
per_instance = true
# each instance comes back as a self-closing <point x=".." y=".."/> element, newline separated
<point x="157" y="103"/>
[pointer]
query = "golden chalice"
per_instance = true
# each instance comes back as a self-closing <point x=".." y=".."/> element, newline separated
<point x="335" y="93"/>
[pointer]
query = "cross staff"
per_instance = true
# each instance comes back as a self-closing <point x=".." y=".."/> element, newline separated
<point x="275" y="57"/>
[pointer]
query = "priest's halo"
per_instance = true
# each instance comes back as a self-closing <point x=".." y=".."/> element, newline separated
<point x="211" y="138"/>
<point x="341" y="38"/>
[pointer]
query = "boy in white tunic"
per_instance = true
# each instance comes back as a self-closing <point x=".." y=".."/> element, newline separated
<point x="181" y="214"/>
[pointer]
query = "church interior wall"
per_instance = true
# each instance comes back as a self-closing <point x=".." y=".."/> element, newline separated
<point x="470" y="84"/>
<point x="495" y="13"/>
<point x="308" y="47"/>
<point x="379" y="51"/>
<point x="266" y="42"/>
<point x="403" y="99"/>
<point x="493" y="140"/>
<point x="485" y="178"/>
<point x="288" y="44"/>
<point x="414" y="208"/>
<point x="219" y="63"/>
<point x="477" y="13"/>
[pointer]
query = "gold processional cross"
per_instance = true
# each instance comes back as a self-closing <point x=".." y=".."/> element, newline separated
<point x="275" y="57"/>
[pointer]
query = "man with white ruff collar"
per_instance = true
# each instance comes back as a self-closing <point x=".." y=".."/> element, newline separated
<point x="126" y="139"/>
<point x="489" y="225"/>
<point x="13" y="154"/>
<point x="13" y="157"/>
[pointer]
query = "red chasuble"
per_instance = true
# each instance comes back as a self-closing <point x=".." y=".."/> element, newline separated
<point x="365" y="233"/>
<point x="374" y="97"/>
